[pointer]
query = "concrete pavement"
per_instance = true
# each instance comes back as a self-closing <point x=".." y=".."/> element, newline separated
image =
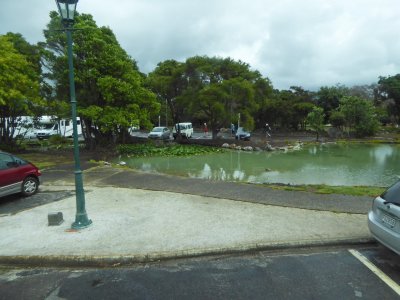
<point x="139" y="225"/>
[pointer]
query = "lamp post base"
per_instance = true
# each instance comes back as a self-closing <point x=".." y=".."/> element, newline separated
<point x="81" y="222"/>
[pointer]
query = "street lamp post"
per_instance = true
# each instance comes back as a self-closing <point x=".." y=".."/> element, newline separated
<point x="67" y="10"/>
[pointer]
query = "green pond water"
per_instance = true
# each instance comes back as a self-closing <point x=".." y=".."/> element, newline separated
<point x="331" y="164"/>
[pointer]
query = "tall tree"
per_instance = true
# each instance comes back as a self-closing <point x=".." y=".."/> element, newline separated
<point x="19" y="87"/>
<point x="388" y="95"/>
<point x="33" y="54"/>
<point x="110" y="90"/>
<point x="315" y="119"/>
<point x="359" y="115"/>
<point x="167" y="82"/>
<point x="288" y="108"/>
<point x="210" y="89"/>
<point x="221" y="88"/>
<point x="329" y="98"/>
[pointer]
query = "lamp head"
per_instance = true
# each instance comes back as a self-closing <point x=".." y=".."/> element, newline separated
<point x="67" y="10"/>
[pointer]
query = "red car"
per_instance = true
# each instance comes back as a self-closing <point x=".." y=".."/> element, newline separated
<point x="17" y="176"/>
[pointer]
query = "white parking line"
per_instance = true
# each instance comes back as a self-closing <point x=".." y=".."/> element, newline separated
<point x="386" y="279"/>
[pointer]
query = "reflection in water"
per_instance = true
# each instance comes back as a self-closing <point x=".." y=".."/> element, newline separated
<point x="222" y="175"/>
<point x="323" y="164"/>
<point x="238" y="175"/>
<point x="312" y="150"/>
<point x="146" y="167"/>
<point x="206" y="172"/>
<point x="381" y="153"/>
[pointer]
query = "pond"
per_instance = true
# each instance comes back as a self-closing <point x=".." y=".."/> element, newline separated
<point x="331" y="164"/>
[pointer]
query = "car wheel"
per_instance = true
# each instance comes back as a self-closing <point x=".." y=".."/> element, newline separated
<point x="30" y="186"/>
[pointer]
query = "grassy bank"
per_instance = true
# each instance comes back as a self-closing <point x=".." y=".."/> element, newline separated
<point x="327" y="189"/>
<point x="45" y="160"/>
<point x="149" y="149"/>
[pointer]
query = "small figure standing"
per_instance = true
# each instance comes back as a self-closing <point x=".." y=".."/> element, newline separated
<point x="205" y="129"/>
<point x="232" y="128"/>
<point x="267" y="130"/>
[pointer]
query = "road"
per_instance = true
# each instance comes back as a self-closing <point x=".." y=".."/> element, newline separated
<point x="334" y="273"/>
<point x="313" y="273"/>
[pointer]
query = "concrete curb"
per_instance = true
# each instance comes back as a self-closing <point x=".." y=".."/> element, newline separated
<point x="125" y="260"/>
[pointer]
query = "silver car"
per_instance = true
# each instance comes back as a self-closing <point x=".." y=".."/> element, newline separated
<point x="242" y="134"/>
<point x="160" y="133"/>
<point x="384" y="218"/>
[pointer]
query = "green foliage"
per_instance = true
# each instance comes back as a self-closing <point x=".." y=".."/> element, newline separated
<point x="210" y="89"/>
<point x="220" y="88"/>
<point x="329" y="98"/>
<point x="337" y="119"/>
<point x="140" y="150"/>
<point x="388" y="95"/>
<point x="359" y="115"/>
<point x="110" y="90"/>
<point x="168" y="83"/>
<point x="59" y="141"/>
<point x="287" y="108"/>
<point x="315" y="119"/>
<point x="19" y="85"/>
<point x="31" y="53"/>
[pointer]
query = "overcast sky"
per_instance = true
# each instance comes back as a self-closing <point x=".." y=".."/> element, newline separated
<point x="308" y="43"/>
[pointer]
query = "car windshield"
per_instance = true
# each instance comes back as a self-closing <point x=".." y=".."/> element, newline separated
<point x="157" y="129"/>
<point x="392" y="194"/>
<point x="47" y="126"/>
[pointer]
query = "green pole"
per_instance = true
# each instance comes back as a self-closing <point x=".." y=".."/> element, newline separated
<point x="81" y="218"/>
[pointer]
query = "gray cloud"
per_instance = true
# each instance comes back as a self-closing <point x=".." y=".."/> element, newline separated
<point x="308" y="43"/>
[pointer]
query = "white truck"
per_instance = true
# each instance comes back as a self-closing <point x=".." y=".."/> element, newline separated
<point x="49" y="126"/>
<point x="186" y="129"/>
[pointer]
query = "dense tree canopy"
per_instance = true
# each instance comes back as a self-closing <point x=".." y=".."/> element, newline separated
<point x="359" y="115"/>
<point x="167" y="82"/>
<point x="287" y="108"/>
<point x="329" y="98"/>
<point x="19" y="83"/>
<point x="388" y="95"/>
<point x="109" y="87"/>
<point x="210" y="90"/>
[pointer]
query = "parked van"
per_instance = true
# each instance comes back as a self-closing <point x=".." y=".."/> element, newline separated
<point x="50" y="126"/>
<point x="185" y="128"/>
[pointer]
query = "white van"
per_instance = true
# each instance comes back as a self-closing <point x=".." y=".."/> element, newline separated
<point x="186" y="129"/>
<point x="64" y="127"/>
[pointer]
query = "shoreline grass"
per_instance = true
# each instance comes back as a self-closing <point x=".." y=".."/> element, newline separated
<point x="370" y="191"/>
